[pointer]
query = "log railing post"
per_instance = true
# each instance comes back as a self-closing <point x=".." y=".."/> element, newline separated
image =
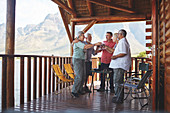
<point x="9" y="50"/>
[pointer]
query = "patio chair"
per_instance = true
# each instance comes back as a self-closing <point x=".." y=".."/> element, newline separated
<point x="137" y="76"/>
<point x="137" y="88"/>
<point x="142" y="67"/>
<point x="61" y="76"/>
<point x="69" y="70"/>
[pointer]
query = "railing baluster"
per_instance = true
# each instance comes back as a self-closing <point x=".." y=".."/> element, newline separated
<point x="35" y="78"/>
<point x="29" y="79"/>
<point x="66" y="62"/>
<point x="57" y="62"/>
<point x="40" y="77"/>
<point x="4" y="86"/>
<point x="22" y="80"/>
<point x="49" y="75"/>
<point x="136" y="65"/>
<point x="45" y="75"/>
<point x="142" y="62"/>
<point x="60" y="64"/>
<point x="53" y="77"/>
<point x="62" y="68"/>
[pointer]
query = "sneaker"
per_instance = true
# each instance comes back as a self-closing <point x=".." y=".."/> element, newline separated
<point x="75" y="95"/>
<point x="101" y="90"/>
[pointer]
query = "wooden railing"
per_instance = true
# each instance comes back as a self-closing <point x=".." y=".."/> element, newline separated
<point x="39" y="68"/>
<point x="134" y="65"/>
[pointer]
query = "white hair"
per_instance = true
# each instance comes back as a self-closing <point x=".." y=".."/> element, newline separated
<point x="80" y="33"/>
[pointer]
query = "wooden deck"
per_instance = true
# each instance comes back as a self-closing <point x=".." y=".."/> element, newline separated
<point x="96" y="102"/>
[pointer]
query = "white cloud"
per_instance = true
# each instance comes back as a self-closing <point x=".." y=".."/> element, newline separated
<point x="2" y="11"/>
<point x="29" y="11"/>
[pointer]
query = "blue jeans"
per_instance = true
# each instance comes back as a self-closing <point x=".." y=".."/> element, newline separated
<point x="79" y="79"/>
<point x="102" y="77"/>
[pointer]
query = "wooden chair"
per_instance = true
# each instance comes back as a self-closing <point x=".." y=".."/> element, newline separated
<point x="61" y="76"/>
<point x="69" y="70"/>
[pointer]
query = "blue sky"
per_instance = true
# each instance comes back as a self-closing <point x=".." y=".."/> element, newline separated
<point x="29" y="11"/>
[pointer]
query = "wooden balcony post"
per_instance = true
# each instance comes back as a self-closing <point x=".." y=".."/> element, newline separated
<point x="154" y="52"/>
<point x="9" y="49"/>
<point x="72" y="34"/>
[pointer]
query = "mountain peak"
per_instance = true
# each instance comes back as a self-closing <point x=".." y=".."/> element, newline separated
<point x="52" y="17"/>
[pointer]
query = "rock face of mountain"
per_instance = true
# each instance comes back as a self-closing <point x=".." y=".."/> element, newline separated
<point x="49" y="37"/>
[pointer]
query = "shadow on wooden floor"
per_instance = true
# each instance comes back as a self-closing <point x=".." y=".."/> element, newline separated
<point x="95" y="102"/>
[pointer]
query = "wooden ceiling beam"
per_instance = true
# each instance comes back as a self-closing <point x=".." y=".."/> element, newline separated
<point x="65" y="24"/>
<point x="112" y="5"/>
<point x="63" y="6"/>
<point x="89" y="26"/>
<point x="70" y="4"/>
<point x="111" y="21"/>
<point x="107" y="18"/>
<point x="89" y="5"/>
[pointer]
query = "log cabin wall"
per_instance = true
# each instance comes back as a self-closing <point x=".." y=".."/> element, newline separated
<point x="164" y="54"/>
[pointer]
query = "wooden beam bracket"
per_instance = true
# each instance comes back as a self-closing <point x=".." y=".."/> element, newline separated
<point x="65" y="24"/>
<point x="89" y="26"/>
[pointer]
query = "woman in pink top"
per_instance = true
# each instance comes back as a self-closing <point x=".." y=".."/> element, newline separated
<point x="107" y="52"/>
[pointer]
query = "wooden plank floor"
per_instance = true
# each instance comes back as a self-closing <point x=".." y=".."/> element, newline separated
<point x="96" y="102"/>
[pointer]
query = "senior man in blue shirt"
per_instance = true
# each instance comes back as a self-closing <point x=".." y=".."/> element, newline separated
<point x="79" y="63"/>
